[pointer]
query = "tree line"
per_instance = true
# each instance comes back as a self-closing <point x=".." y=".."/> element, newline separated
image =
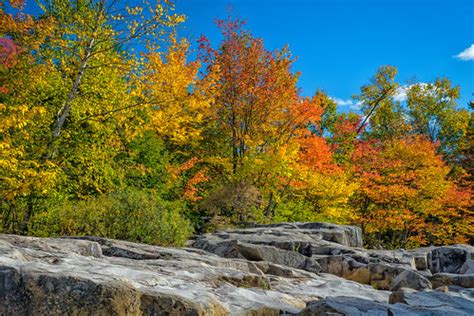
<point x="109" y="128"/>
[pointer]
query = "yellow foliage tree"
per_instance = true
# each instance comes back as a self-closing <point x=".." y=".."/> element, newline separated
<point x="178" y="101"/>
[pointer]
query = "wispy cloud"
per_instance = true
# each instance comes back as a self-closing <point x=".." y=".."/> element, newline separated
<point x="342" y="102"/>
<point x="467" y="54"/>
<point x="347" y="103"/>
<point x="400" y="94"/>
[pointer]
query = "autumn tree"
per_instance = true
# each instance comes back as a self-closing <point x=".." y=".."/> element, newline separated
<point x="433" y="111"/>
<point x="378" y="106"/>
<point x="72" y="99"/>
<point x="26" y="90"/>
<point x="87" y="40"/>
<point x="178" y="104"/>
<point x="405" y="197"/>
<point x="254" y="88"/>
<point x="260" y="120"/>
<point x="430" y="109"/>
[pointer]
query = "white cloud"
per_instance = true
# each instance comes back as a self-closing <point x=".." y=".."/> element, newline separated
<point x="342" y="102"/>
<point x="356" y="106"/>
<point x="401" y="93"/>
<point x="467" y="54"/>
<point x="347" y="103"/>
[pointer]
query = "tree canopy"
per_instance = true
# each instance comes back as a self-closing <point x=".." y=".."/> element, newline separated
<point x="110" y="127"/>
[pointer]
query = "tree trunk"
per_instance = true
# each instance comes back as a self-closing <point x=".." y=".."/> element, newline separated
<point x="66" y="108"/>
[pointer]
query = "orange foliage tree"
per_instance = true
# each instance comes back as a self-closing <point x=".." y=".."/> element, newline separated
<point x="257" y="113"/>
<point x="405" y="197"/>
<point x="255" y="92"/>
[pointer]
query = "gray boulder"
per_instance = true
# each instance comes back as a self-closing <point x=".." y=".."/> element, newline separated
<point x="421" y="262"/>
<point x="346" y="267"/>
<point x="382" y="274"/>
<point x="272" y="254"/>
<point x="427" y="303"/>
<point x="467" y="267"/>
<point x="435" y="302"/>
<point x="345" y="235"/>
<point x="410" y="279"/>
<point x="448" y="259"/>
<point x="251" y="252"/>
<point x="463" y="280"/>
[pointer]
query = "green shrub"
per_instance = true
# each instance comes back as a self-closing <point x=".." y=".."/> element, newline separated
<point x="233" y="204"/>
<point x="141" y="216"/>
<point x="298" y="211"/>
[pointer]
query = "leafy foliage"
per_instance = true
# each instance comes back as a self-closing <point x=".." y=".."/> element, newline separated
<point x="405" y="197"/>
<point x="110" y="128"/>
<point x="140" y="216"/>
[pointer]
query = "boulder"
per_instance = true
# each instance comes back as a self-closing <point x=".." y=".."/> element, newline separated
<point x="421" y="262"/>
<point x="346" y="267"/>
<point x="382" y="274"/>
<point x="251" y="252"/>
<point x="280" y="270"/>
<point x="434" y="302"/>
<point x="463" y="280"/>
<point x="298" y="237"/>
<point x="410" y="279"/>
<point x="345" y="235"/>
<point x="448" y="259"/>
<point x="425" y="304"/>
<point x="467" y="267"/>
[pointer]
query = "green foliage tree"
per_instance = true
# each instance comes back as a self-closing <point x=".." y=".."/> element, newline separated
<point x="72" y="104"/>
<point x="434" y="112"/>
<point x="378" y="105"/>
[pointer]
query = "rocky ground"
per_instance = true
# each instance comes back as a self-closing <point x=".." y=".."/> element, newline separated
<point x="284" y="269"/>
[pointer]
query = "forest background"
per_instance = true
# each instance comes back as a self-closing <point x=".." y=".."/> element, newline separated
<point x="110" y="128"/>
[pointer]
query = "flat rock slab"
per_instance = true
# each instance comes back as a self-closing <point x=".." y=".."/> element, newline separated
<point x="48" y="276"/>
<point x="337" y="249"/>
<point x="289" y="268"/>
<point x="411" y="303"/>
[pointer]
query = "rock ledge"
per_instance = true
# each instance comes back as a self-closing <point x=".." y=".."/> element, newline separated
<point x="288" y="268"/>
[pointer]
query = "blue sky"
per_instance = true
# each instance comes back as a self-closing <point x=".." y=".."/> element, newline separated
<point x="340" y="44"/>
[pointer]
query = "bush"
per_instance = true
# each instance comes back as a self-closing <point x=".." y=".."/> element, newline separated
<point x="298" y="211"/>
<point x="141" y="216"/>
<point x="233" y="204"/>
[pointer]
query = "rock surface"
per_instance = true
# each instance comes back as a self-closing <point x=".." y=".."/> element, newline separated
<point x="292" y="269"/>
<point x="337" y="250"/>
<point x="448" y="259"/>
<point x="410" y="279"/>
<point x="435" y="302"/>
